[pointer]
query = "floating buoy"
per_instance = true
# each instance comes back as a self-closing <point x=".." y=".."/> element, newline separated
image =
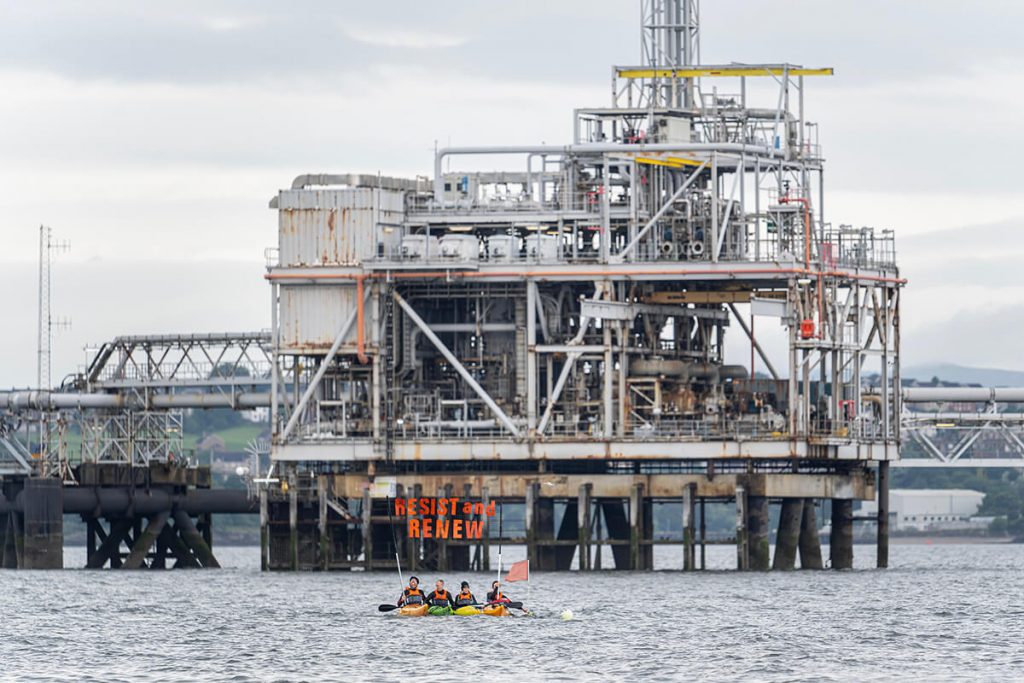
<point x="567" y="615"/>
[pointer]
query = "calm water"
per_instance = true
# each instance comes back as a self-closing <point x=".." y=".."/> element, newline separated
<point x="942" y="612"/>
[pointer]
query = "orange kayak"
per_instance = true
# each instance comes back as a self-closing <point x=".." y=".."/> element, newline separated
<point x="413" y="610"/>
<point x="497" y="611"/>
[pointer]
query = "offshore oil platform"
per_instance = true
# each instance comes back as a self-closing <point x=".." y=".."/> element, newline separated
<point x="549" y="333"/>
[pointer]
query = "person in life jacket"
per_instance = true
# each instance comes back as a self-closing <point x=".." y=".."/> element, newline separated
<point x="412" y="595"/>
<point x="464" y="597"/>
<point x="439" y="597"/>
<point x="496" y="596"/>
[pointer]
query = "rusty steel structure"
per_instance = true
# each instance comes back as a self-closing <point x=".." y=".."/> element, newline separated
<point x="536" y="322"/>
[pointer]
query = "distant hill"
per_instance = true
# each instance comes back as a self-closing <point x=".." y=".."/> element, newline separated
<point x="949" y="372"/>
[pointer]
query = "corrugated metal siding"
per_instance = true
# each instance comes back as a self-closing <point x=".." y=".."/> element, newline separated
<point x="335" y="226"/>
<point x="310" y="317"/>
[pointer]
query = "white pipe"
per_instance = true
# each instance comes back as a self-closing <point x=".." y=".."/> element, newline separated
<point x="589" y="148"/>
<point x="16" y="401"/>
<point x="961" y="394"/>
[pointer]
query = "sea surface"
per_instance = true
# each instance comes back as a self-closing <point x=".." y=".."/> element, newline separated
<point x="941" y="612"/>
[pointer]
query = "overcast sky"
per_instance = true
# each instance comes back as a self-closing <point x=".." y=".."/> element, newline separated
<point x="152" y="135"/>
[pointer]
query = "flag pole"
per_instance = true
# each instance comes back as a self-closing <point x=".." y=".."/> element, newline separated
<point x="501" y="510"/>
<point x="394" y="539"/>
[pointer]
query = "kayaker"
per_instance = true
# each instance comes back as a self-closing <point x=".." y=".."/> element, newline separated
<point x="465" y="597"/>
<point x="412" y="595"/>
<point x="496" y="595"/>
<point x="440" y="597"/>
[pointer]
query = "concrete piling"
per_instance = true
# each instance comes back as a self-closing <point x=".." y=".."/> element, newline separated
<point x="367" y="528"/>
<point x="532" y="493"/>
<point x="841" y="540"/>
<point x="742" y="551"/>
<point x="810" y="542"/>
<point x="583" y="522"/>
<point x="788" y="539"/>
<point x="703" y="536"/>
<point x="264" y="531"/>
<point x="882" y="558"/>
<point x="324" y="549"/>
<point x="636" y="513"/>
<point x="689" y="527"/>
<point x="757" y="533"/>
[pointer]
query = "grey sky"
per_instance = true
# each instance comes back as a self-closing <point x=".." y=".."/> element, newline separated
<point x="151" y="135"/>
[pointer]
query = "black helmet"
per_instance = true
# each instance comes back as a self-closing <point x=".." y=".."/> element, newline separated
<point x="465" y="584"/>
<point x="414" y="577"/>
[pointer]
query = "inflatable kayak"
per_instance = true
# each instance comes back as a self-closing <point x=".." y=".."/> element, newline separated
<point x="497" y="611"/>
<point x="438" y="611"/>
<point x="413" y="610"/>
<point x="468" y="611"/>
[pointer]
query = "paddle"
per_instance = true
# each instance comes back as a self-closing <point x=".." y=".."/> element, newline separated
<point x="386" y="608"/>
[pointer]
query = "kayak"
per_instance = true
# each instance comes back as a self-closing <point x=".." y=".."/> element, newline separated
<point x="438" y="611"/>
<point x="468" y="611"/>
<point x="413" y="611"/>
<point x="497" y="611"/>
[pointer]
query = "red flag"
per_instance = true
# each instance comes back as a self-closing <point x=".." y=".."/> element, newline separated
<point x="519" y="571"/>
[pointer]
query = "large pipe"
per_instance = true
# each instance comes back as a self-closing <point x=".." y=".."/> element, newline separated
<point x="16" y="401"/>
<point x="450" y="275"/>
<point x="960" y="394"/>
<point x="116" y="501"/>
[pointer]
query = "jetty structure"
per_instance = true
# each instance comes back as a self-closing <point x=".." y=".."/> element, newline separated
<point x="540" y="326"/>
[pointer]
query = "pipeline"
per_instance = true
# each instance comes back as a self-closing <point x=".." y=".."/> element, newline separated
<point x="117" y="501"/>
<point x="360" y="322"/>
<point x="590" y="148"/>
<point x="54" y="400"/>
<point x="541" y="274"/>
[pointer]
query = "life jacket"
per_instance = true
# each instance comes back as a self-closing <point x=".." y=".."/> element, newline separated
<point x="440" y="598"/>
<point x="497" y="596"/>
<point x="413" y="596"/>
<point x="463" y="599"/>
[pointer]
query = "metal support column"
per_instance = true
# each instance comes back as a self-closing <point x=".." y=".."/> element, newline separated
<point x="841" y="541"/>
<point x="788" y="539"/>
<point x="882" y="559"/>
<point x="689" y="500"/>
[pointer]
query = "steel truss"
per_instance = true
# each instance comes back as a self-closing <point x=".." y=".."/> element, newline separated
<point x="962" y="439"/>
<point x="128" y="403"/>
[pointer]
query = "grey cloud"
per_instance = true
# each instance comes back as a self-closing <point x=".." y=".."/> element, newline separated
<point x="184" y="44"/>
<point x="867" y="41"/>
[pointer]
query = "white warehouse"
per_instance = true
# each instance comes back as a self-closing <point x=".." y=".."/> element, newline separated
<point x="922" y="509"/>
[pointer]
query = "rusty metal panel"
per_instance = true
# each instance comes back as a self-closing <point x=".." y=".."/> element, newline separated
<point x="311" y="316"/>
<point x="331" y="227"/>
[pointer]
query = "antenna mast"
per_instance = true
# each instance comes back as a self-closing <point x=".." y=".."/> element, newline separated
<point x="670" y="39"/>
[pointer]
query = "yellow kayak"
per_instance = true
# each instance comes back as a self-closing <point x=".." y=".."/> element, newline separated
<point x="413" y="610"/>
<point x="497" y="611"/>
<point x="468" y="611"/>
